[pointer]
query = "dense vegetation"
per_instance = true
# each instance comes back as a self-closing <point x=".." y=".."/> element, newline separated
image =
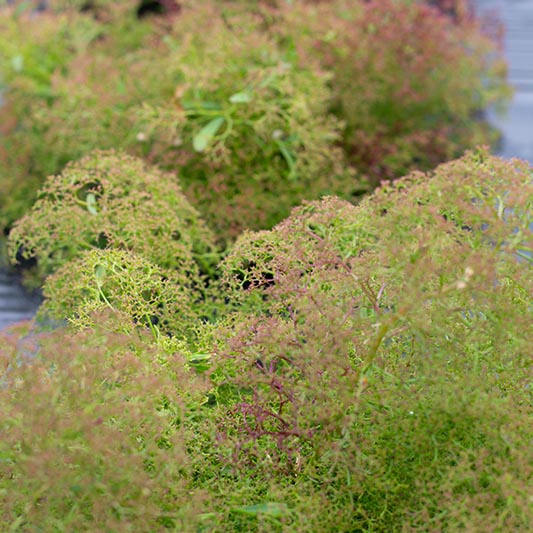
<point x="234" y="339"/>
<point x="277" y="103"/>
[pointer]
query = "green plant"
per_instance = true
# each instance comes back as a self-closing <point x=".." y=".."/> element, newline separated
<point x="56" y="107"/>
<point x="135" y="290"/>
<point x="385" y="360"/>
<point x="110" y="200"/>
<point x="372" y="373"/>
<point x="244" y="112"/>
<point x="248" y="126"/>
<point x="92" y="433"/>
<point x="274" y="143"/>
<point x="409" y="81"/>
<point x="27" y="67"/>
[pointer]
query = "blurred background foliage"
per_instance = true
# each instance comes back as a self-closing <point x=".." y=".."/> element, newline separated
<point x="278" y="102"/>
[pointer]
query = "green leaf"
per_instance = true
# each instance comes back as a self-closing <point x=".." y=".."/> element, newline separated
<point x="199" y="357"/>
<point x="273" y="509"/>
<point x="285" y="152"/>
<point x="500" y="208"/>
<point x="99" y="273"/>
<point x="207" y="516"/>
<point x="90" y="200"/>
<point x="22" y="7"/>
<point x="195" y="105"/>
<point x="206" y="134"/>
<point x="200" y="361"/>
<point x="240" y="98"/>
<point x="17" y="62"/>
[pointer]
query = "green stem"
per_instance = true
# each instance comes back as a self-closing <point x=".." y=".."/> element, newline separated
<point x="383" y="329"/>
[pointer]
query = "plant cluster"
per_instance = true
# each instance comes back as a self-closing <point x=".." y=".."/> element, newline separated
<point x="344" y="367"/>
<point x="138" y="293"/>
<point x="250" y="129"/>
<point x="111" y="200"/>
<point x="119" y="234"/>
<point x="372" y="372"/>
<point x="390" y="338"/>
<point x="276" y="143"/>
<point x="88" y="424"/>
<point x="408" y="79"/>
<point x="277" y="103"/>
<point x="58" y="108"/>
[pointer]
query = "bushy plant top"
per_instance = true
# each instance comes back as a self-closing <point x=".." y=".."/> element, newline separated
<point x="92" y="433"/>
<point x="375" y="375"/>
<point x="405" y="80"/>
<point x="387" y="351"/>
<point x="408" y="80"/>
<point x="247" y="125"/>
<point x="134" y="289"/>
<point x="59" y="106"/>
<point x="270" y="142"/>
<point x="424" y="259"/>
<point x="26" y="70"/>
<point x="110" y="200"/>
<point x="478" y="203"/>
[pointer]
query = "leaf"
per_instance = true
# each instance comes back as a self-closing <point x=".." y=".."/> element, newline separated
<point x="207" y="516"/>
<point x="17" y="62"/>
<point x="206" y="134"/>
<point x="195" y="105"/>
<point x="22" y="7"/>
<point x="500" y="208"/>
<point x="285" y="152"/>
<point x="199" y="358"/>
<point x="273" y="509"/>
<point x="200" y="361"/>
<point x="99" y="273"/>
<point x="90" y="200"/>
<point x="240" y="98"/>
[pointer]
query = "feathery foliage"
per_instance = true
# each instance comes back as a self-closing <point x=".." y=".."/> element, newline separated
<point x="110" y="200"/>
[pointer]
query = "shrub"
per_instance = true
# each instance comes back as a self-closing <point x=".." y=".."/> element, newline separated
<point x="26" y="70"/>
<point x="409" y="81"/>
<point x="58" y="106"/>
<point x="248" y="126"/>
<point x="137" y="291"/>
<point x="264" y="80"/>
<point x="275" y="144"/>
<point x="373" y="372"/>
<point x="387" y="367"/>
<point x="110" y="200"/>
<point x="91" y="434"/>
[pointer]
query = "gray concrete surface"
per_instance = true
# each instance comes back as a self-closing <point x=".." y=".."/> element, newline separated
<point x="517" y="124"/>
<point x="15" y="303"/>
